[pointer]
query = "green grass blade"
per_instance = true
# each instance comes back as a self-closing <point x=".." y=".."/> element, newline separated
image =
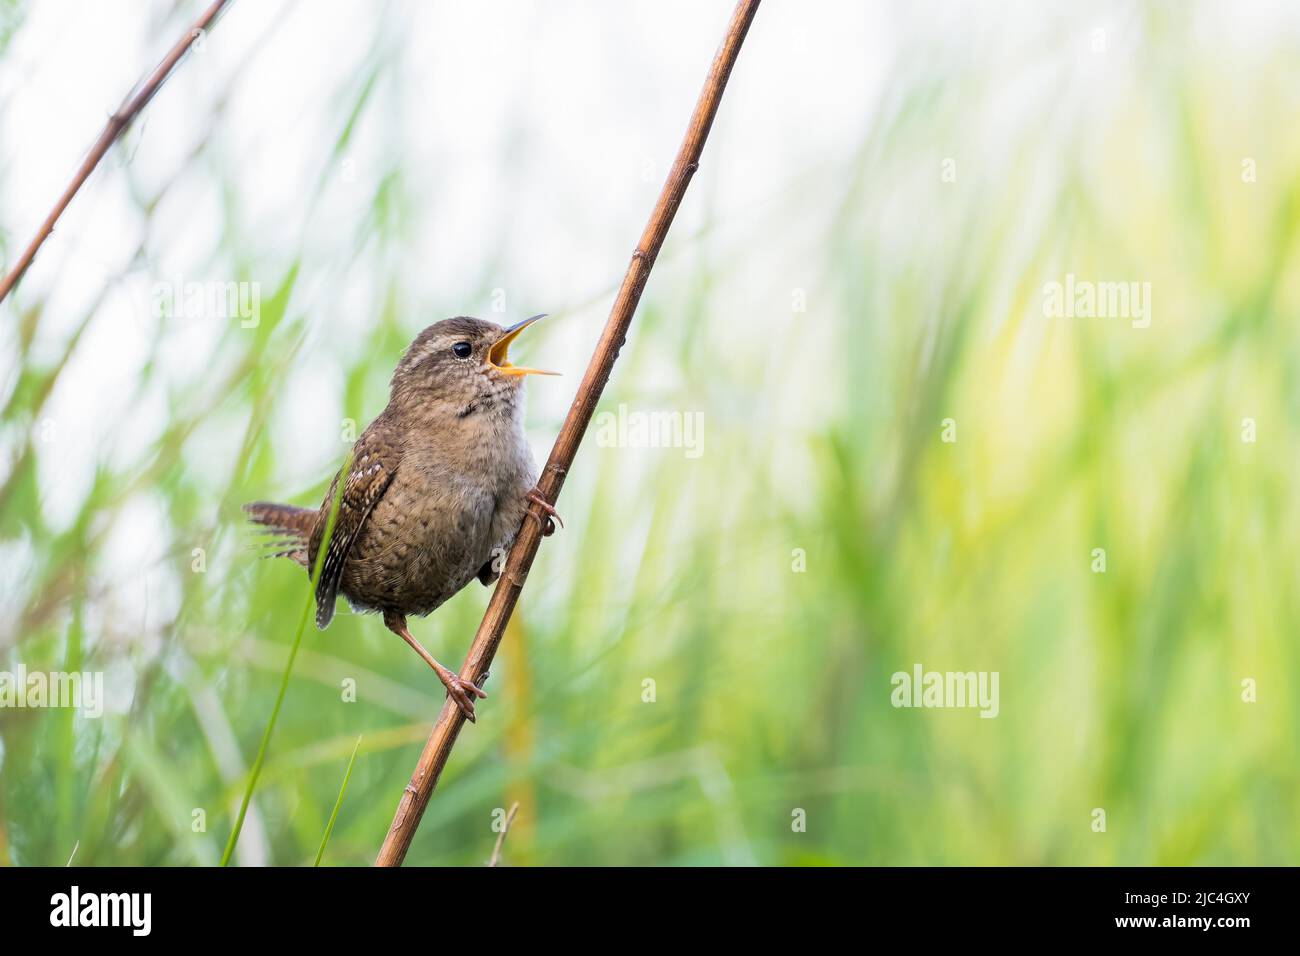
<point x="288" y="666"/>
<point x="334" y="814"/>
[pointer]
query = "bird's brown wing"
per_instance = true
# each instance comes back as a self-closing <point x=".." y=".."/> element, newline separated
<point x="375" y="459"/>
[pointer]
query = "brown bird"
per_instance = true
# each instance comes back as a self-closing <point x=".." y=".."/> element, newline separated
<point x="436" y="489"/>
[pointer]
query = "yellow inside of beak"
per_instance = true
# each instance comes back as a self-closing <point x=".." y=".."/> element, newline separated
<point x="499" y="359"/>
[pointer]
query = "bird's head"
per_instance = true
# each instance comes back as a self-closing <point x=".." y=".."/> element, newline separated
<point x="463" y="362"/>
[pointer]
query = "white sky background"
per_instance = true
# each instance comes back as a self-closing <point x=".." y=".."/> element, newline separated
<point x="601" y="92"/>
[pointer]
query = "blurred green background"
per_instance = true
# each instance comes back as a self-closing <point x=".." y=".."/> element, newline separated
<point x="862" y="255"/>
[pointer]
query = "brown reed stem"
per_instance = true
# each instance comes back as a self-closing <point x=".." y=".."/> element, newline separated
<point x="501" y="837"/>
<point x="481" y="652"/>
<point x="118" y="123"/>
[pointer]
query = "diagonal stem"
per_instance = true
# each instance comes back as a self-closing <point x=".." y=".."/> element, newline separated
<point x="135" y="101"/>
<point x="488" y="638"/>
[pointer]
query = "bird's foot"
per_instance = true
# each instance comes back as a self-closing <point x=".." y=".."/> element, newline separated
<point x="548" y="527"/>
<point x="461" y="691"/>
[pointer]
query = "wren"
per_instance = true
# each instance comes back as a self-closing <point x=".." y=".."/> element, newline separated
<point x="436" y="489"/>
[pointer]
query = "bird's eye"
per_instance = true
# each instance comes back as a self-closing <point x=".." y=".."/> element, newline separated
<point x="462" y="349"/>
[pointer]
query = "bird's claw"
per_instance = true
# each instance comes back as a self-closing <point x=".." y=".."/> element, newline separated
<point x="463" y="693"/>
<point x="547" y="525"/>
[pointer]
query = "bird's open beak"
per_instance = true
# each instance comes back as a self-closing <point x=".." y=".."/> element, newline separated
<point x="497" y="356"/>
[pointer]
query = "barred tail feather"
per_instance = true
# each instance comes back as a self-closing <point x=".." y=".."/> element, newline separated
<point x="291" y="526"/>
